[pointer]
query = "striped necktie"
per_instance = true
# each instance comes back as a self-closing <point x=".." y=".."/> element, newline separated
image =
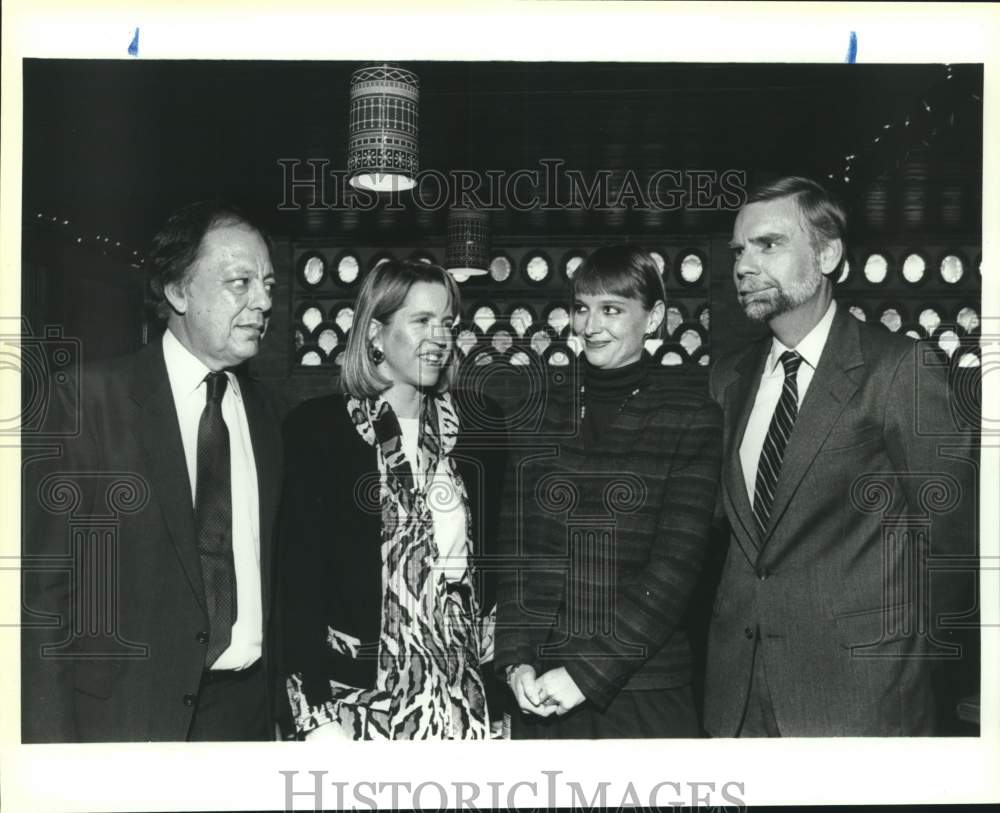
<point x="778" y="432"/>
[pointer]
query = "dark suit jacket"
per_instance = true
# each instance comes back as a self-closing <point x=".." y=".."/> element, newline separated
<point x="604" y="544"/>
<point x="330" y="533"/>
<point x="113" y="644"/>
<point x="845" y="621"/>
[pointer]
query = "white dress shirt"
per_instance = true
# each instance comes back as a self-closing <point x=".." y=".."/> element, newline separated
<point x="445" y="503"/>
<point x="187" y="383"/>
<point x="771" y="384"/>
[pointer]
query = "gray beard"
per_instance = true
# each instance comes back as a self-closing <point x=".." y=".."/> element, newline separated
<point x="780" y="301"/>
<point x="763" y="310"/>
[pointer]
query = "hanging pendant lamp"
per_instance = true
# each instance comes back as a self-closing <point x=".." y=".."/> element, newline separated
<point x="467" y="253"/>
<point x="382" y="147"/>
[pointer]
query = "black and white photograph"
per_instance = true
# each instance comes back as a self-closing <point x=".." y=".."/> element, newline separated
<point x="599" y="394"/>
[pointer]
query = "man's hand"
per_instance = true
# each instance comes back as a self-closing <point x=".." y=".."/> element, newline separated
<point x="525" y="689"/>
<point x="559" y="691"/>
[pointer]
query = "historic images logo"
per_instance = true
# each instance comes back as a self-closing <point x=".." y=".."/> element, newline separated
<point x="312" y="185"/>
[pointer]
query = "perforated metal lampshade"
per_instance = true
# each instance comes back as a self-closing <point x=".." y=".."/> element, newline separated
<point x="467" y="253"/>
<point x="383" y="136"/>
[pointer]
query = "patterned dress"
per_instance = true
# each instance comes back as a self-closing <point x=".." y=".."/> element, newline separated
<point x="428" y="684"/>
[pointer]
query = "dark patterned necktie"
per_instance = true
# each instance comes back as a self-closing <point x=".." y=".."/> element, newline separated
<point x="771" y="455"/>
<point x="214" y="518"/>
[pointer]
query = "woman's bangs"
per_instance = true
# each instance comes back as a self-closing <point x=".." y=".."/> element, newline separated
<point x="594" y="282"/>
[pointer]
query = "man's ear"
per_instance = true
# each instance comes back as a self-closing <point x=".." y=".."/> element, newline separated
<point x="829" y="256"/>
<point x="176" y="294"/>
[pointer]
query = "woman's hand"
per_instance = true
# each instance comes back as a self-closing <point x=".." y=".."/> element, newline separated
<point x="328" y="731"/>
<point x="559" y="691"/>
<point x="525" y="688"/>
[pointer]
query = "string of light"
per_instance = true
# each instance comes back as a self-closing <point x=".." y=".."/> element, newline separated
<point x="105" y="242"/>
<point x="894" y="141"/>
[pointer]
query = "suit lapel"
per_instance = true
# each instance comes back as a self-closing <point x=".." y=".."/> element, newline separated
<point x="159" y="436"/>
<point x="263" y="434"/>
<point x="828" y="394"/>
<point x="739" y="396"/>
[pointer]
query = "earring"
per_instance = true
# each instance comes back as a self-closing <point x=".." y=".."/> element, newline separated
<point x="376" y="355"/>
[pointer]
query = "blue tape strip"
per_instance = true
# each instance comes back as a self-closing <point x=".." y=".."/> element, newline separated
<point x="852" y="48"/>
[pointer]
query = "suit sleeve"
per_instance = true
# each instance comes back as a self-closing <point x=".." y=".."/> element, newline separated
<point x="51" y="475"/>
<point x="649" y="610"/>
<point x="940" y="464"/>
<point x="491" y="440"/>
<point x="492" y="455"/>
<point x="301" y="572"/>
<point x="514" y="642"/>
<point x="720" y="522"/>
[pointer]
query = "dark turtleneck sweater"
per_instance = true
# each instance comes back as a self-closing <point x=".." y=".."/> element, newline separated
<point x="606" y="391"/>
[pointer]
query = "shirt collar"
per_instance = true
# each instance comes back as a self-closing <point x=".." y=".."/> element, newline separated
<point x="185" y="371"/>
<point x="811" y="346"/>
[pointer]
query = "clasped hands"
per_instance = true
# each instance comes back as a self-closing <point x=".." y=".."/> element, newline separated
<point x="555" y="692"/>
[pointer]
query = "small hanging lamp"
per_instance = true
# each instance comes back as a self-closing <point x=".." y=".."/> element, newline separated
<point x="468" y="248"/>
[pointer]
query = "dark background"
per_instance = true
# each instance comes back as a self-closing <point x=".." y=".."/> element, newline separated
<point x="112" y="147"/>
<point x="116" y="146"/>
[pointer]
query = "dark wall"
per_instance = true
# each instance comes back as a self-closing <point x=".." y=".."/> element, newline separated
<point x="92" y="294"/>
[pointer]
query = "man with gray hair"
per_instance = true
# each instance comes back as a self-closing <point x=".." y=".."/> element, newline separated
<point x="844" y="482"/>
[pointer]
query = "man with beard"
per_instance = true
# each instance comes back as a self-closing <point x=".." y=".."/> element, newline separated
<point x="845" y="480"/>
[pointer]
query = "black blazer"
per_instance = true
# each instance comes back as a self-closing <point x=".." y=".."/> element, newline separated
<point x="330" y="532"/>
<point x="116" y="473"/>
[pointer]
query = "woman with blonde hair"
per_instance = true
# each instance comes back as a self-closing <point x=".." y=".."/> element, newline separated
<point x="381" y="625"/>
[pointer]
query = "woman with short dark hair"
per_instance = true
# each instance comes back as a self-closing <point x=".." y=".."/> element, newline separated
<point x="610" y="526"/>
<point x="381" y="619"/>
